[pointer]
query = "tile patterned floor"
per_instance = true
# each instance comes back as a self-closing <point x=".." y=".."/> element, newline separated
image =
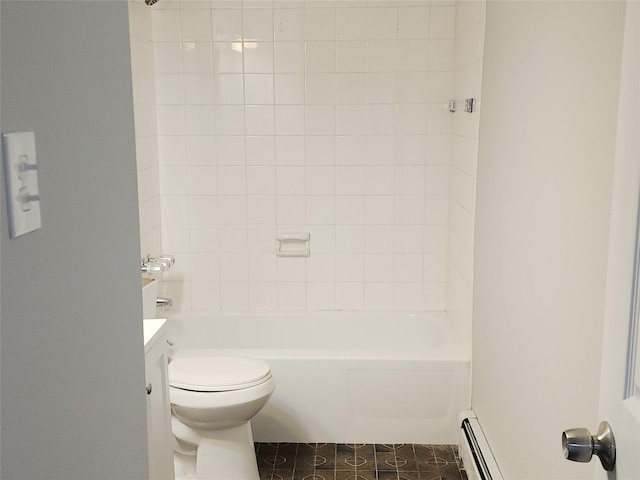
<point x="359" y="461"/>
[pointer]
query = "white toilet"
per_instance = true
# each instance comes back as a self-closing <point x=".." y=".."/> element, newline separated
<point x="213" y="399"/>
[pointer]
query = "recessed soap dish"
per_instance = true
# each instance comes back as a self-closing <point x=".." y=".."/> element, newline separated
<point x="293" y="244"/>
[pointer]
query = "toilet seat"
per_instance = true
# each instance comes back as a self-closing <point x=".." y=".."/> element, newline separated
<point x="217" y="374"/>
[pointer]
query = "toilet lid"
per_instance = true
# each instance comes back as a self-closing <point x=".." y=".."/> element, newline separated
<point x="217" y="374"/>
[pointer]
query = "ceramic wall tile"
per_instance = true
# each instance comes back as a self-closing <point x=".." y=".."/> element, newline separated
<point x="328" y="117"/>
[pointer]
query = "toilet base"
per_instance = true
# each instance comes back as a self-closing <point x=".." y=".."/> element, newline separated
<point x="227" y="454"/>
<point x="184" y="467"/>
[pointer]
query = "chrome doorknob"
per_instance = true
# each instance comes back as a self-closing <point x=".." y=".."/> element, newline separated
<point x="579" y="445"/>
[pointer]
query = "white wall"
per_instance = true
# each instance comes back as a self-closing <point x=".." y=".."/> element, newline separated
<point x="73" y="401"/>
<point x="547" y="139"/>
<point x="331" y="119"/>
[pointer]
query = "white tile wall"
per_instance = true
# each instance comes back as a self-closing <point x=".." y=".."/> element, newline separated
<point x="145" y="116"/>
<point x="468" y="46"/>
<point x="327" y="117"/>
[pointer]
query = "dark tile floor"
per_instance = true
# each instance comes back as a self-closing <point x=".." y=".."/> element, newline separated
<point x="358" y="461"/>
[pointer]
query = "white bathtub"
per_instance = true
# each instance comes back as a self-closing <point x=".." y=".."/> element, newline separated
<point x="354" y="377"/>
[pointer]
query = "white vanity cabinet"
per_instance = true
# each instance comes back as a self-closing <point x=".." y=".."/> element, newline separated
<point x="158" y="404"/>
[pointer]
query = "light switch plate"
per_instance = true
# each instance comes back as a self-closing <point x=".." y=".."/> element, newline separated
<point x="21" y="179"/>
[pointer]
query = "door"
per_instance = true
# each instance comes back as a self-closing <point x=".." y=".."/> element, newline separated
<point x="620" y="374"/>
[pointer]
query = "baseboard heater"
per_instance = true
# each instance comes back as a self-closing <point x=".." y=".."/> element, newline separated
<point x="475" y="453"/>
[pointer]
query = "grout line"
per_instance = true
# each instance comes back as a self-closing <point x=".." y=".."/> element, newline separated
<point x="375" y="460"/>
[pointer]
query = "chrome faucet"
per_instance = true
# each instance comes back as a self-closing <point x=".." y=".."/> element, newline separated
<point x="162" y="302"/>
